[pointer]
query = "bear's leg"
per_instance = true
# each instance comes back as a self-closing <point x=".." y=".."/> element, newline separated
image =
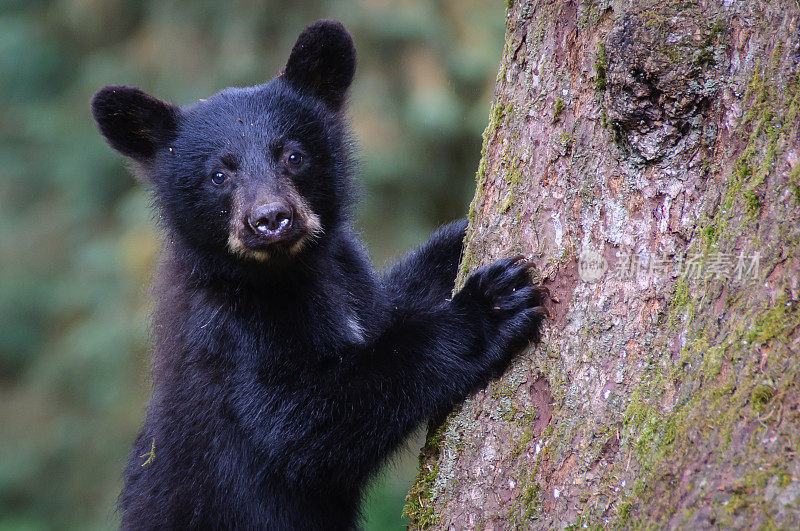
<point x="421" y="365"/>
<point x="426" y="275"/>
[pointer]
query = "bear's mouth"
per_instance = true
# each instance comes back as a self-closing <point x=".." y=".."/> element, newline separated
<point x="263" y="245"/>
<point x="246" y="244"/>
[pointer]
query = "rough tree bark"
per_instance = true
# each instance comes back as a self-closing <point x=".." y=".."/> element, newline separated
<point x="646" y="155"/>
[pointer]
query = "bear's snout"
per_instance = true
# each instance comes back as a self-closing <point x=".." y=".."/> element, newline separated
<point x="272" y="220"/>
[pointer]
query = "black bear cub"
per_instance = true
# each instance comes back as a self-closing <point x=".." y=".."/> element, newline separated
<point x="286" y="370"/>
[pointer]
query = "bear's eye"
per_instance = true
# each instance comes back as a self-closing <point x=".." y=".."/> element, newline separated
<point x="295" y="158"/>
<point x="218" y="178"/>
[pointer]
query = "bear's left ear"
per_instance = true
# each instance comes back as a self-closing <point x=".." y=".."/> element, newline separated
<point x="133" y="122"/>
<point x="323" y="62"/>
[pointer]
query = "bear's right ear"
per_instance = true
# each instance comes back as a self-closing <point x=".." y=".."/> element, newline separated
<point x="323" y="62"/>
<point x="133" y="122"/>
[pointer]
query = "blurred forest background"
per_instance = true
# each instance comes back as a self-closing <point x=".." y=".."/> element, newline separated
<point x="77" y="239"/>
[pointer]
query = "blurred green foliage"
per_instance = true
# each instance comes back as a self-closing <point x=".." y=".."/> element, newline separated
<point x="77" y="240"/>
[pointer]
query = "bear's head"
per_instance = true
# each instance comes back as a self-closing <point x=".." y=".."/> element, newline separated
<point x="258" y="173"/>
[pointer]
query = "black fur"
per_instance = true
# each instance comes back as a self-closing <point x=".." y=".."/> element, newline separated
<point x="282" y="384"/>
<point x="134" y="123"/>
<point x="324" y="61"/>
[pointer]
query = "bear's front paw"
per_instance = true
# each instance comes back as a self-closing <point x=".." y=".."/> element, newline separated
<point x="510" y="307"/>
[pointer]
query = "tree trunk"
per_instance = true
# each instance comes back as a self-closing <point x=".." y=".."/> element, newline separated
<point x="646" y="155"/>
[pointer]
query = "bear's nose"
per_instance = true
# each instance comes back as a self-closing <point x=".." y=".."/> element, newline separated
<point x="270" y="219"/>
